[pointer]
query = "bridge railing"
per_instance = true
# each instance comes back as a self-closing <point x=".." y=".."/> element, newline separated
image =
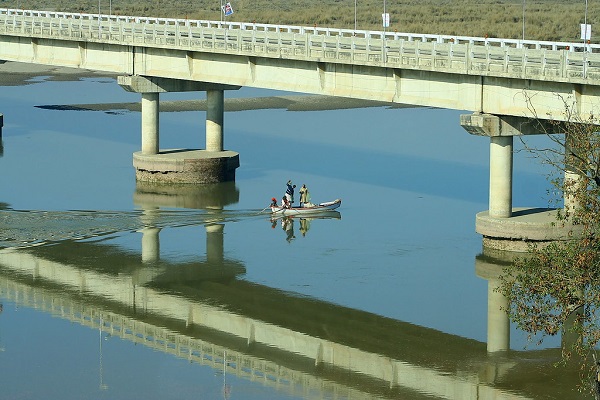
<point x="561" y="61"/>
<point x="411" y="37"/>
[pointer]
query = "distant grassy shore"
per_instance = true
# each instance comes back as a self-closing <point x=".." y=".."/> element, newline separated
<point x="557" y="20"/>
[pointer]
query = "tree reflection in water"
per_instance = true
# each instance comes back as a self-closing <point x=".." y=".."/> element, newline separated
<point x="554" y="290"/>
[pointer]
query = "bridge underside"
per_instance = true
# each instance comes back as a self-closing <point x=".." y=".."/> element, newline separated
<point x="493" y="95"/>
<point x="477" y="93"/>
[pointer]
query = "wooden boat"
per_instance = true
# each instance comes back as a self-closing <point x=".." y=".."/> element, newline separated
<point x="327" y="214"/>
<point x="313" y="209"/>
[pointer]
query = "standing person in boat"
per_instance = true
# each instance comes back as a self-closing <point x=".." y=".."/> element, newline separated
<point x="304" y="195"/>
<point x="289" y="192"/>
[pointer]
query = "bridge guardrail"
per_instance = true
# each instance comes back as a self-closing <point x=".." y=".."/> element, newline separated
<point x="521" y="59"/>
<point x="517" y="43"/>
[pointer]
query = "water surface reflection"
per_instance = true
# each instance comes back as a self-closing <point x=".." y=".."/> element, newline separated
<point x="205" y="312"/>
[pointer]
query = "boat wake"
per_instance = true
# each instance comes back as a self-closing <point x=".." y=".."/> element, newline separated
<point x="21" y="228"/>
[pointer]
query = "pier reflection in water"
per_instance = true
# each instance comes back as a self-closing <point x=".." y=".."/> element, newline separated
<point x="212" y="197"/>
<point x="204" y="312"/>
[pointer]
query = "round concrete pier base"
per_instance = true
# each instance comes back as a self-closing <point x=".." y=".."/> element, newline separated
<point x="186" y="166"/>
<point x="526" y="226"/>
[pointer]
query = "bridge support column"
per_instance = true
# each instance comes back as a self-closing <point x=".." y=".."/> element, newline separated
<point x="212" y="165"/>
<point x="504" y="227"/>
<point x="572" y="178"/>
<point x="215" y="109"/>
<point x="501" y="169"/>
<point x="150" y="123"/>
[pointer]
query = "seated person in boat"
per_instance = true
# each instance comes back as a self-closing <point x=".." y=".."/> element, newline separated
<point x="273" y="202"/>
<point x="285" y="203"/>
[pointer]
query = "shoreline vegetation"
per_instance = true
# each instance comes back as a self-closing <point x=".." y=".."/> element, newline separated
<point x="552" y="20"/>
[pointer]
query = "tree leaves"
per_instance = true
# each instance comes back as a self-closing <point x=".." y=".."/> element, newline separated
<point x="555" y="288"/>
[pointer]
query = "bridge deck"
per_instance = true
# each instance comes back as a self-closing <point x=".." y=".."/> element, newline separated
<point x="496" y="76"/>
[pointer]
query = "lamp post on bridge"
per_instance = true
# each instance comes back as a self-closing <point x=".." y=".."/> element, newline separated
<point x="523" y="19"/>
<point x="385" y="20"/>
<point x="355" y="15"/>
<point x="586" y="29"/>
<point x="586" y="38"/>
<point x="109" y="7"/>
<point x="386" y="23"/>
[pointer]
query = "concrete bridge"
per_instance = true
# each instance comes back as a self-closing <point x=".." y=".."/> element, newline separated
<point x="500" y="81"/>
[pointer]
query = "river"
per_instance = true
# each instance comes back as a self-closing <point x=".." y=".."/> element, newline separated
<point x="117" y="290"/>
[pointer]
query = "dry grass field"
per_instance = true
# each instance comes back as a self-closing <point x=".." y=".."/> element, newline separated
<point x="544" y="19"/>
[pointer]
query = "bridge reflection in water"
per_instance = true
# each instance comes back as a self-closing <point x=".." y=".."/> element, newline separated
<point x="204" y="312"/>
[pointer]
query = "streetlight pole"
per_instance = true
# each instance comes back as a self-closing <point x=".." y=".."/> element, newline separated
<point x="384" y="20"/>
<point x="355" y="14"/>
<point x="585" y="23"/>
<point x="523" y="19"/>
<point x="385" y="24"/>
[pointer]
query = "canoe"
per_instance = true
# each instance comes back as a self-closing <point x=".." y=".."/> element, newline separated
<point x="315" y="209"/>
<point x="327" y="214"/>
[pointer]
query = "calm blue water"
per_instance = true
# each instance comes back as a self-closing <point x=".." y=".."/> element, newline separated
<point x="398" y="266"/>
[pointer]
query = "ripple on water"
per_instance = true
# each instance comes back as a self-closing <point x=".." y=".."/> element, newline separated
<point x="21" y="228"/>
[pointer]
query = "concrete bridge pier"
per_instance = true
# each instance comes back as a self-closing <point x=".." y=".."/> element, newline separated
<point x="572" y="178"/>
<point x="503" y="226"/>
<point x="501" y="169"/>
<point x="215" y="108"/>
<point x="150" y="123"/>
<point x="210" y="165"/>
